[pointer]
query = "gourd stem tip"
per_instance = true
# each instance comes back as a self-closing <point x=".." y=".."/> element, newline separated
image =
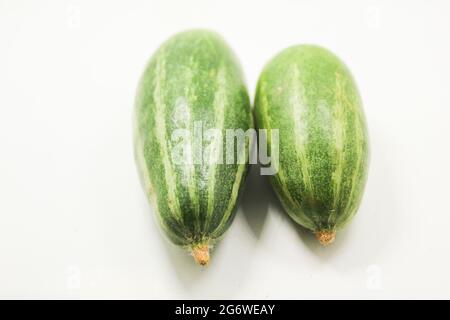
<point x="326" y="237"/>
<point x="201" y="254"/>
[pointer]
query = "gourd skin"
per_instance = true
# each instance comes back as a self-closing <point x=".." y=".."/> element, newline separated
<point x="192" y="80"/>
<point x="309" y="95"/>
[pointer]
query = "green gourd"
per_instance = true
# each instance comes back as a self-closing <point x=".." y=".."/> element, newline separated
<point x="309" y="95"/>
<point x="192" y="83"/>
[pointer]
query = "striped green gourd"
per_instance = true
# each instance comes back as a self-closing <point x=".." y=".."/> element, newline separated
<point x="192" y="83"/>
<point x="310" y="96"/>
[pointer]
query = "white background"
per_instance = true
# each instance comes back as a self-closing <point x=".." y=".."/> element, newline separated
<point x="74" y="222"/>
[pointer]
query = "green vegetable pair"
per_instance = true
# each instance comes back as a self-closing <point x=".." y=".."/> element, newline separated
<point x="192" y="106"/>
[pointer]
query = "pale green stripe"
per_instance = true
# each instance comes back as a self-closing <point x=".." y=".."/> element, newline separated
<point x="359" y="134"/>
<point x="232" y="201"/>
<point x="338" y="134"/>
<point x="220" y="101"/>
<point x="160" y="133"/>
<point x="298" y="104"/>
<point x="192" y="187"/>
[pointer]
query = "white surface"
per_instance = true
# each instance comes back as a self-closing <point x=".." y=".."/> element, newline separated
<point x="74" y="222"/>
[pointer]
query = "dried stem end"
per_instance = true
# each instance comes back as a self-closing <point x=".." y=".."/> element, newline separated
<point x="201" y="254"/>
<point x="326" y="237"/>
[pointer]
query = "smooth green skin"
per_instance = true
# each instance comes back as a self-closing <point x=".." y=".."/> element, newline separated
<point x="192" y="77"/>
<point x="309" y="95"/>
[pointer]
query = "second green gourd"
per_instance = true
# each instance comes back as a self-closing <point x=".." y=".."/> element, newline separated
<point x="309" y="95"/>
